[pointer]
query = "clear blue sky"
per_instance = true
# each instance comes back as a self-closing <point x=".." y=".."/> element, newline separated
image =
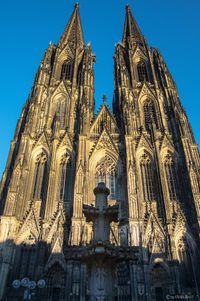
<point x="26" y="27"/>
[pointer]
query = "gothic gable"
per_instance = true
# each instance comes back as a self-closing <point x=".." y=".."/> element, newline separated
<point x="144" y="143"/>
<point x="42" y="142"/>
<point x="29" y="226"/>
<point x="139" y="54"/>
<point x="154" y="236"/>
<point x="57" y="255"/>
<point x="66" y="142"/>
<point x="167" y="143"/>
<point x="179" y="223"/>
<point x="56" y="225"/>
<point x="104" y="120"/>
<point x="60" y="89"/>
<point x="153" y="224"/>
<point x="66" y="52"/>
<point x="105" y="142"/>
<point x="146" y="91"/>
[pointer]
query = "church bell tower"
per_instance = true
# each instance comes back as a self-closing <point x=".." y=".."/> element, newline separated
<point x="101" y="206"/>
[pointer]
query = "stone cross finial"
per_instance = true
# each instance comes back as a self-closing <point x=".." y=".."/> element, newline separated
<point x="104" y="99"/>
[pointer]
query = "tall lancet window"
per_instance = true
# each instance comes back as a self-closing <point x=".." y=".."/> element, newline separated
<point x="170" y="174"/>
<point x="64" y="163"/>
<point x="106" y="172"/>
<point x="142" y="72"/>
<point x="147" y="178"/>
<point x="67" y="70"/>
<point x="39" y="176"/>
<point x="62" y="113"/>
<point x="149" y="115"/>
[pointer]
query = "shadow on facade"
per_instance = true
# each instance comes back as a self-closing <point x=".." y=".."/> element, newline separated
<point x="78" y="271"/>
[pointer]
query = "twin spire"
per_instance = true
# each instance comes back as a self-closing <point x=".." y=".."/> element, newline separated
<point x="132" y="32"/>
<point x="74" y="34"/>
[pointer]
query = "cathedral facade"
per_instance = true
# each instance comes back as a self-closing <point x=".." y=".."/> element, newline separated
<point x="102" y="206"/>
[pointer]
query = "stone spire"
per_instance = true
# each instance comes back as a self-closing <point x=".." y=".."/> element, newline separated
<point x="73" y="33"/>
<point x="132" y="32"/>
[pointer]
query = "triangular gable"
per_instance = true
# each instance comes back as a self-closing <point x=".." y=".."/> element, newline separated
<point x="104" y="120"/>
<point x="157" y="245"/>
<point x="57" y="255"/>
<point x="66" y="50"/>
<point x="156" y="225"/>
<point x="66" y="142"/>
<point x="139" y="53"/>
<point x="179" y="223"/>
<point x="105" y="142"/>
<point x="42" y="141"/>
<point x="158" y="249"/>
<point x="59" y="219"/>
<point x="146" y="91"/>
<point x="30" y="225"/>
<point x="144" y="142"/>
<point x="167" y="143"/>
<point x="60" y="89"/>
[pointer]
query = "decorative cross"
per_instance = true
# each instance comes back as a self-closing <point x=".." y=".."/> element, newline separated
<point x="104" y="99"/>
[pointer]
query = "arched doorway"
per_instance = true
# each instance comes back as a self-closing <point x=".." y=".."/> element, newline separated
<point x="160" y="281"/>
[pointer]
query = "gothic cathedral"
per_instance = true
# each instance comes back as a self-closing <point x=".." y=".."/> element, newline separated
<point x="101" y="206"/>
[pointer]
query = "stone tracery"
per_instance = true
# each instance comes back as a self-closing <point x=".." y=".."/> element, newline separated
<point x="106" y="172"/>
<point x="88" y="247"/>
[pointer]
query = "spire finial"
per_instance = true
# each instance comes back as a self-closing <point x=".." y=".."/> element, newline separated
<point x="104" y="98"/>
<point x="131" y="29"/>
<point x="73" y="30"/>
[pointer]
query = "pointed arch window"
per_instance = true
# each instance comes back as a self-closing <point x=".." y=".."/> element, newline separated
<point x="62" y="113"/>
<point x="39" y="176"/>
<point x="147" y="178"/>
<point x="142" y="72"/>
<point x="64" y="164"/>
<point x="67" y="70"/>
<point x="170" y="174"/>
<point x="149" y="115"/>
<point x="106" y="172"/>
